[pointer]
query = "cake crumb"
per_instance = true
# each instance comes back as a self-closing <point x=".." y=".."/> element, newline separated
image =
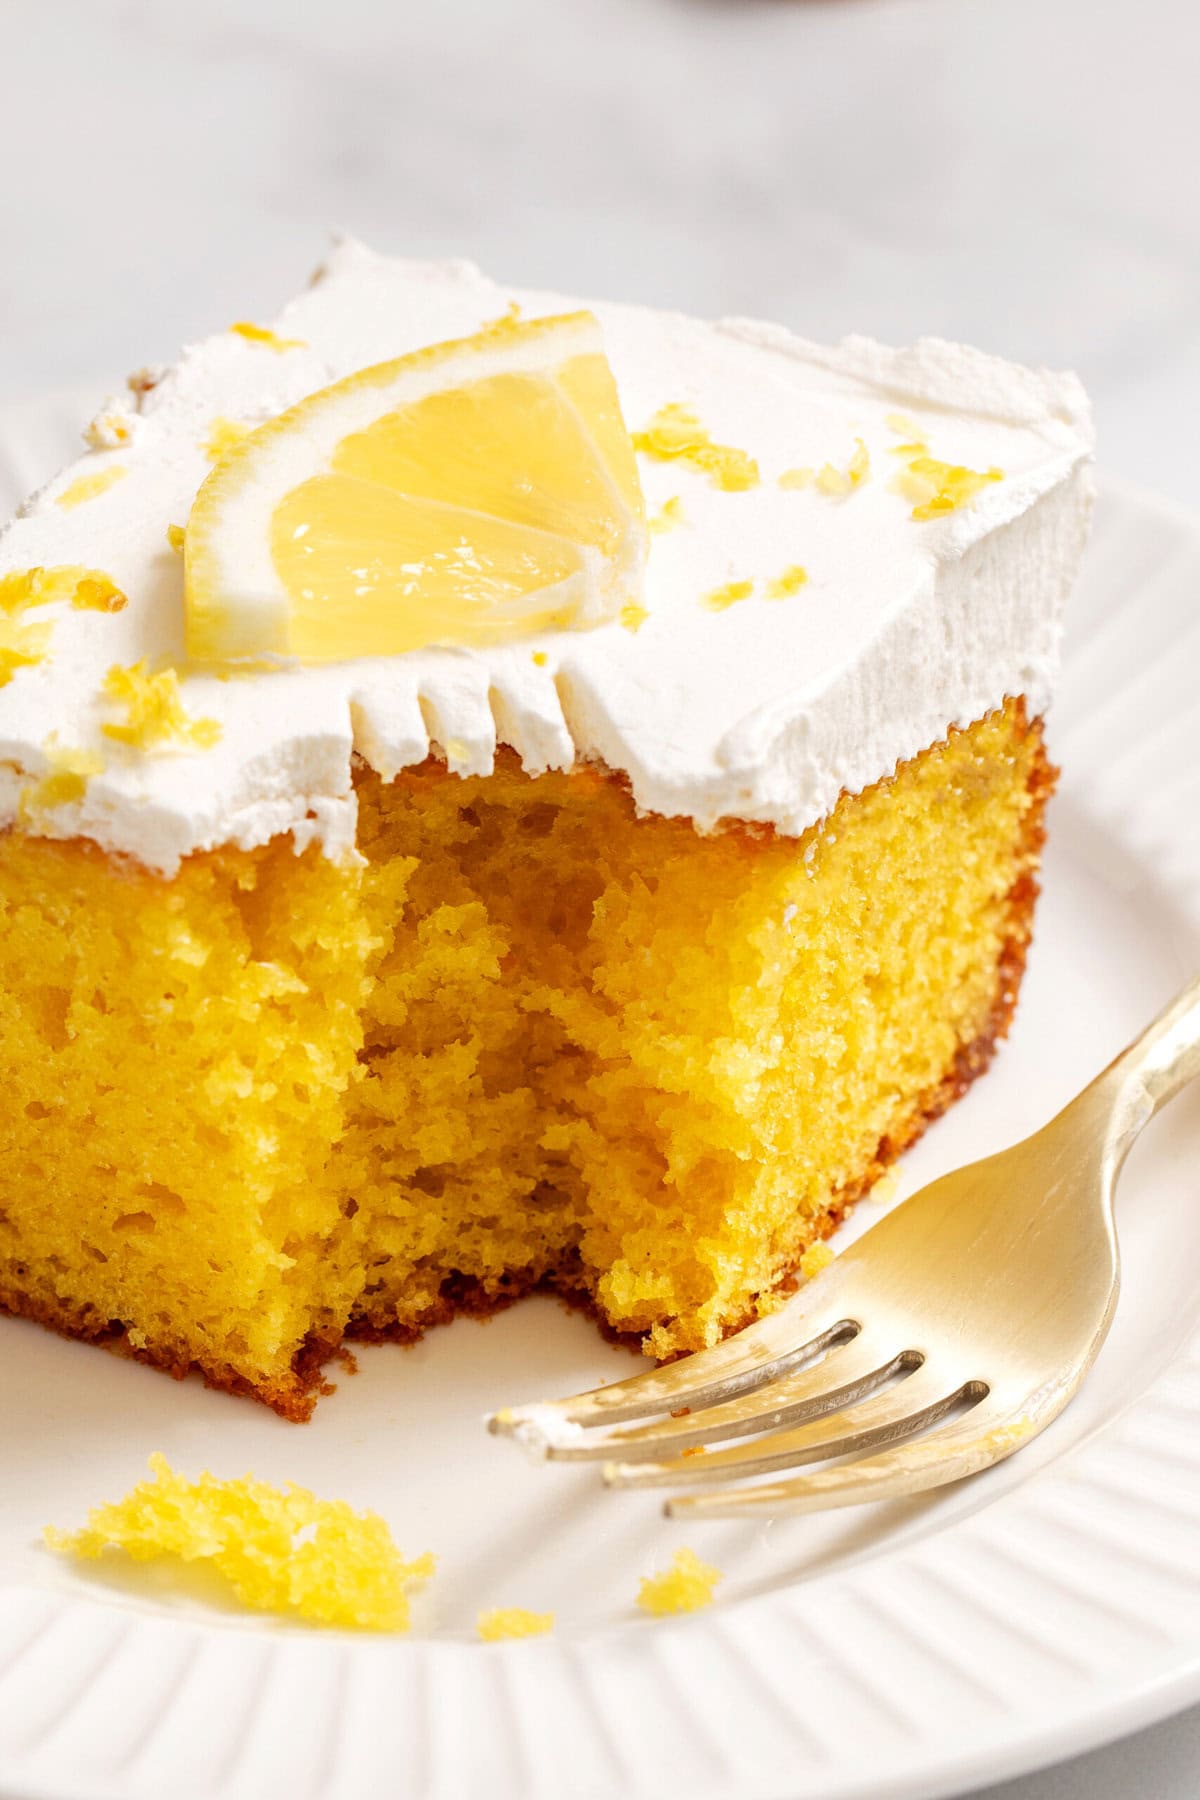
<point x="512" y="1622"/>
<point x="281" y="1550"/>
<point x="814" y="1259"/>
<point x="886" y="1187"/>
<point x="675" y="434"/>
<point x="154" y="710"/>
<point x="685" y="1587"/>
<point x="270" y="340"/>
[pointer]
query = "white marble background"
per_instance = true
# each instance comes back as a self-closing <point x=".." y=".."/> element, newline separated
<point x="1024" y="174"/>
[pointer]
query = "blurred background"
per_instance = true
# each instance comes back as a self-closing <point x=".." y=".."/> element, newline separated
<point x="1021" y="174"/>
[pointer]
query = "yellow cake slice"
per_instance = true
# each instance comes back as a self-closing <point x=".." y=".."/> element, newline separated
<point x="614" y="944"/>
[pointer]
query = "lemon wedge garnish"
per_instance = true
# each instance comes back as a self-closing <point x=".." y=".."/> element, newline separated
<point x="472" y="493"/>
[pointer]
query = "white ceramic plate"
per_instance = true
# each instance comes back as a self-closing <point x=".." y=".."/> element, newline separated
<point x="909" y="1650"/>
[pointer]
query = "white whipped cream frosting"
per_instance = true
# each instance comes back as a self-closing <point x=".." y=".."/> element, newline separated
<point x="765" y="711"/>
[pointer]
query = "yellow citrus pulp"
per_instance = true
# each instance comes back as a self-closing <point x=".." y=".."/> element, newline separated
<point x="470" y="494"/>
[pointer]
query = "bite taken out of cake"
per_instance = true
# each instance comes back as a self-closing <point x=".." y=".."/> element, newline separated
<point x="548" y="828"/>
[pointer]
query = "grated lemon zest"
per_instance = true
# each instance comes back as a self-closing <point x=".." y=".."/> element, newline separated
<point x="633" y="616"/>
<point x="23" y="644"/>
<point x="513" y="1622"/>
<point x="154" y="711"/>
<point x="794" y="577"/>
<point x="281" y="1550"/>
<point x="796" y="478"/>
<point x="270" y="340"/>
<point x="685" y="1587"/>
<point x="176" y="537"/>
<point x="837" y="483"/>
<point x="95" y="592"/>
<point x="539" y="657"/>
<point x="66" y="780"/>
<point x="938" y="487"/>
<point x="722" y="598"/>
<point x="675" y="434"/>
<point x="88" y="487"/>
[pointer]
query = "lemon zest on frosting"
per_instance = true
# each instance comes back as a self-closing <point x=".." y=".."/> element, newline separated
<point x="669" y="515"/>
<point x="513" y="1622"/>
<point x="65" y="782"/>
<point x="675" y="434"/>
<point x="837" y="483"/>
<point x="793" y="578"/>
<point x="902" y="425"/>
<point x="796" y="478"/>
<point x="223" y="435"/>
<point x="96" y="592"/>
<point x="154" y="710"/>
<point x="633" y="616"/>
<point x="938" y="487"/>
<point x="23" y="644"/>
<point x="722" y="598"/>
<point x="176" y="537"/>
<point x="270" y="340"/>
<point x="685" y="1587"/>
<point x="89" y="590"/>
<point x="88" y="487"/>
<point x="539" y="657"/>
<point x="281" y="1550"/>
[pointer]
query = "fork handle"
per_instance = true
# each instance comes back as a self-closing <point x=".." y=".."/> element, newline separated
<point x="1155" y="1066"/>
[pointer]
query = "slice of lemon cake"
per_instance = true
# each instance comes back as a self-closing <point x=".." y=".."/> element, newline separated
<point x="500" y="796"/>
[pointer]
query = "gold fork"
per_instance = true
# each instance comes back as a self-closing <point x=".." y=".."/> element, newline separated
<point x="947" y="1337"/>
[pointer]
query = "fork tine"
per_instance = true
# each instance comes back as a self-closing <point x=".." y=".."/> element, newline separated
<point x="850" y="1371"/>
<point x="990" y="1433"/>
<point x="912" y="1405"/>
<point x="768" y="1348"/>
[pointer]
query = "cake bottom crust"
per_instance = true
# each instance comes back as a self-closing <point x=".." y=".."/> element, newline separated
<point x="461" y="1295"/>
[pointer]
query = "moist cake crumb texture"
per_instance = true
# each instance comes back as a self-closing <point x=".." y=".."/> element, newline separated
<point x="532" y="1038"/>
<point x="281" y="1550"/>
<point x="685" y="1587"/>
